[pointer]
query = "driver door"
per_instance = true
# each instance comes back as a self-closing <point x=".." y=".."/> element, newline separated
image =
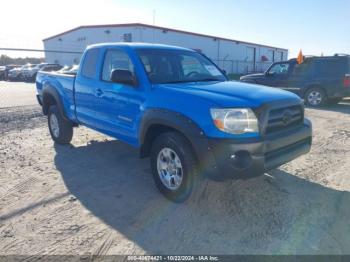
<point x="120" y="103"/>
<point x="277" y="75"/>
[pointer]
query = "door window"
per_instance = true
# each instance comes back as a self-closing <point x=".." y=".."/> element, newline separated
<point x="279" y="69"/>
<point x="116" y="59"/>
<point x="301" y="70"/>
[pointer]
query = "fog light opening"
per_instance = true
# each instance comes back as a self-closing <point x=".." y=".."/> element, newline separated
<point x="241" y="159"/>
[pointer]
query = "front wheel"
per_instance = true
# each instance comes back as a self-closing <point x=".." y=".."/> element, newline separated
<point x="173" y="166"/>
<point x="316" y="97"/>
<point x="60" y="129"/>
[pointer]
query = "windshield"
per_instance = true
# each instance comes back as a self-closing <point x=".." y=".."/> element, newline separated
<point x="178" y="66"/>
<point x="25" y="67"/>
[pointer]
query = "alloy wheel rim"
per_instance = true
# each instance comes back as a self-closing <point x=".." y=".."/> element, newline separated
<point x="54" y="125"/>
<point x="314" y="98"/>
<point x="169" y="168"/>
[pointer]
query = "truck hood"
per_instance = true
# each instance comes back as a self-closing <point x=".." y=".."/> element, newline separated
<point x="232" y="93"/>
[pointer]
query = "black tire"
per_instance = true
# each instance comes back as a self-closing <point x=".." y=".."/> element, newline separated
<point x="178" y="144"/>
<point x="65" y="129"/>
<point x="33" y="79"/>
<point x="334" y="101"/>
<point x="315" y="91"/>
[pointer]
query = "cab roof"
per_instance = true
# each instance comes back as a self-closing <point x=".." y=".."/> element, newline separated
<point x="139" y="46"/>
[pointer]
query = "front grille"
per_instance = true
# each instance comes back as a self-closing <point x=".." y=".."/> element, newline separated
<point x="284" y="118"/>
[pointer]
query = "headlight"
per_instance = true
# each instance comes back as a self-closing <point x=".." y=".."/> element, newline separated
<point x="235" y="120"/>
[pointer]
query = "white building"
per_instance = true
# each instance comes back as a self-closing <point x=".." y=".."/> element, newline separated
<point x="232" y="55"/>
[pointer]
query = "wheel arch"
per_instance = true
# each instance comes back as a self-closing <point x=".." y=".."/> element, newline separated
<point x="319" y="86"/>
<point x="158" y="121"/>
<point x="52" y="97"/>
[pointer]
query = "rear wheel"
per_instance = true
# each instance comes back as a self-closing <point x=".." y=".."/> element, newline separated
<point x="315" y="97"/>
<point x="60" y="129"/>
<point x="173" y="166"/>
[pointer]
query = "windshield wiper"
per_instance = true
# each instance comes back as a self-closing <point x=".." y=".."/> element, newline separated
<point x="178" y="81"/>
<point x="193" y="80"/>
<point x="207" y="80"/>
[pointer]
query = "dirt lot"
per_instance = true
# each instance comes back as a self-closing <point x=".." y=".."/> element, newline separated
<point x="17" y="94"/>
<point x="97" y="197"/>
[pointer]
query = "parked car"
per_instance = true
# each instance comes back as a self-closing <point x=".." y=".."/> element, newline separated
<point x="16" y="73"/>
<point x="319" y="80"/>
<point x="71" y="70"/>
<point x="4" y="70"/>
<point x="180" y="110"/>
<point x="51" y="67"/>
<point x="29" y="74"/>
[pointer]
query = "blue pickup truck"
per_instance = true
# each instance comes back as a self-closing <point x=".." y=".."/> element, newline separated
<point x="178" y="108"/>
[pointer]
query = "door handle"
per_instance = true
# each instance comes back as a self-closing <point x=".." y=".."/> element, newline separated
<point x="99" y="92"/>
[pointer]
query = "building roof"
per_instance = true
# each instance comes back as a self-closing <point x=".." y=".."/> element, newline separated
<point x="160" y="28"/>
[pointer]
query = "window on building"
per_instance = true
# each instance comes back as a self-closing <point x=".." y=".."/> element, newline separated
<point x="116" y="59"/>
<point x="81" y="39"/>
<point x="127" y="37"/>
<point x="89" y="65"/>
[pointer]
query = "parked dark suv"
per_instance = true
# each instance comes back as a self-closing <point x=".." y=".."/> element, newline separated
<point x="319" y="80"/>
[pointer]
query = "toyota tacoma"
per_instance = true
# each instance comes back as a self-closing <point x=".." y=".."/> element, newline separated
<point x="178" y="108"/>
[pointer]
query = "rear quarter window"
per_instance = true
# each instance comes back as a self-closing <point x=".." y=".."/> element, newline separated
<point x="90" y="62"/>
<point x="331" y="67"/>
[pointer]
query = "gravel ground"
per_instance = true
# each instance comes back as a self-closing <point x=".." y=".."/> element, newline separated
<point x="97" y="197"/>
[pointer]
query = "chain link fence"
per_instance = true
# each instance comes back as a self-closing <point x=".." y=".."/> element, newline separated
<point x="238" y="67"/>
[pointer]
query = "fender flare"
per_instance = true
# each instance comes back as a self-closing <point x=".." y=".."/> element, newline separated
<point x="168" y="118"/>
<point x="50" y="91"/>
<point x="313" y="85"/>
<point x="176" y="121"/>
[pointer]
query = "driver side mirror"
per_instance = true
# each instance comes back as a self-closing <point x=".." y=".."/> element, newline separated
<point x="122" y="76"/>
<point x="269" y="74"/>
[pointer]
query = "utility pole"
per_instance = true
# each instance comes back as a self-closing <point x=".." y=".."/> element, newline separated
<point x="154" y="23"/>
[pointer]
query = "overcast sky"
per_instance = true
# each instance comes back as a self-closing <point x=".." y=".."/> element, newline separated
<point x="316" y="26"/>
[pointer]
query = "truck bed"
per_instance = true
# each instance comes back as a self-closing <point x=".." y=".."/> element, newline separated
<point x="64" y="84"/>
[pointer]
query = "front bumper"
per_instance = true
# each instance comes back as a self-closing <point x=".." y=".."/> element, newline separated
<point x="245" y="158"/>
<point x="340" y="93"/>
<point x="14" y="76"/>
